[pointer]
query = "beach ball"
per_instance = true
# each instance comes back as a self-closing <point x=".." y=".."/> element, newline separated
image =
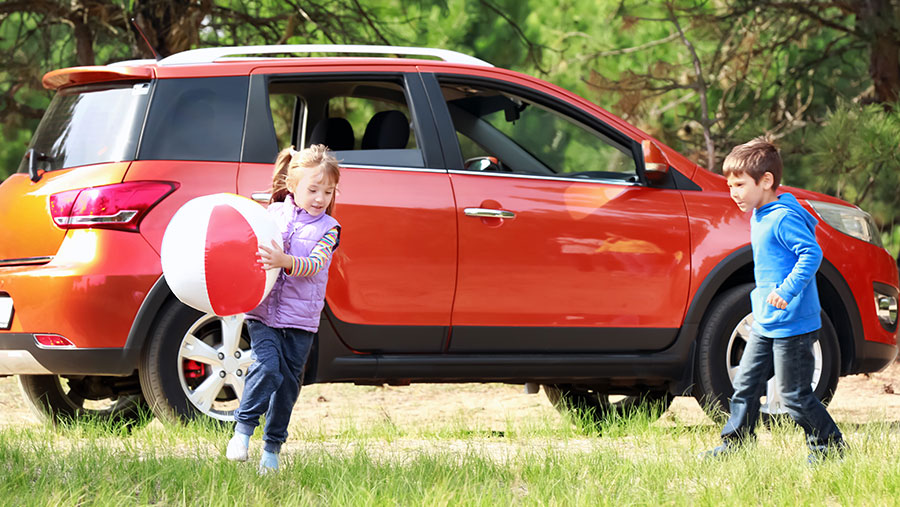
<point x="209" y="254"/>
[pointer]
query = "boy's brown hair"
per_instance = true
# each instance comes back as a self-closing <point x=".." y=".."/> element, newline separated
<point x="755" y="158"/>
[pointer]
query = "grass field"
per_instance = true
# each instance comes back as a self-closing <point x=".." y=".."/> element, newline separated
<point x="532" y="456"/>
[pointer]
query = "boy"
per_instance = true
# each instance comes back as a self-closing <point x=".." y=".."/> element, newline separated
<point x="785" y="303"/>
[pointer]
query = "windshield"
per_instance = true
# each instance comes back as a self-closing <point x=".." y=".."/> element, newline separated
<point x="89" y="125"/>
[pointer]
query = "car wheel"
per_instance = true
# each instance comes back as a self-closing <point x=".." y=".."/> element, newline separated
<point x="54" y="399"/>
<point x="195" y="364"/>
<point x="594" y="406"/>
<point x="722" y="340"/>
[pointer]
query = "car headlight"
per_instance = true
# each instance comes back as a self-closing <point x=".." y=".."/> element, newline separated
<point x="850" y="220"/>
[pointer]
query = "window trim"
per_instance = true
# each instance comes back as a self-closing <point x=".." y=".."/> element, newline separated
<point x="396" y="168"/>
<point x="300" y="118"/>
<point x="603" y="181"/>
<point x="254" y="142"/>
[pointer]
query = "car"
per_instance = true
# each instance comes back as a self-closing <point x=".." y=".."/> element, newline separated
<point x="496" y="228"/>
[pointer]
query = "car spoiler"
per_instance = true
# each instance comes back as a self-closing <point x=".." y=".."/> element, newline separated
<point x="73" y="76"/>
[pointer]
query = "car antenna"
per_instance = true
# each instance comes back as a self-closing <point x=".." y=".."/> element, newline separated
<point x="146" y="41"/>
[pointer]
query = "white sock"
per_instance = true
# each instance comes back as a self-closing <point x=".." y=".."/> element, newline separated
<point x="237" y="447"/>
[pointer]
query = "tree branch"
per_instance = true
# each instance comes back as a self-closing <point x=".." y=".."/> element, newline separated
<point x="533" y="48"/>
<point x="365" y="16"/>
<point x="705" y="122"/>
<point x="635" y="49"/>
<point x="803" y="8"/>
<point x="868" y="186"/>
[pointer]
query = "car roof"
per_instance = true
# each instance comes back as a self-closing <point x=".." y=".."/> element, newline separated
<point x="239" y="60"/>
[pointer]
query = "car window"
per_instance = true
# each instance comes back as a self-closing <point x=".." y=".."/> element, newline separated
<point x="89" y="125"/>
<point x="516" y="135"/>
<point x="196" y="119"/>
<point x="364" y="122"/>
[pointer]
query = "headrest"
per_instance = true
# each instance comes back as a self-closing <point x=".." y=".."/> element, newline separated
<point x="386" y="130"/>
<point x="335" y="133"/>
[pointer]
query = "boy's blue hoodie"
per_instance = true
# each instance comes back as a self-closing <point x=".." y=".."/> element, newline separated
<point x="786" y="258"/>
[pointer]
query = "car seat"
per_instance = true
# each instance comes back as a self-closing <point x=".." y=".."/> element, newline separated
<point x="334" y="133"/>
<point x="387" y="130"/>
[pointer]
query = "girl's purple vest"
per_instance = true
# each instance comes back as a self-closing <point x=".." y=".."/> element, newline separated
<point x="296" y="301"/>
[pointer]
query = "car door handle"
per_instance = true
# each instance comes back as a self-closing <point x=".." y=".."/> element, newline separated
<point x="261" y="197"/>
<point x="489" y="213"/>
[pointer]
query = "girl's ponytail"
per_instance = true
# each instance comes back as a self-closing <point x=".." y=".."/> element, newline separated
<point x="279" y="176"/>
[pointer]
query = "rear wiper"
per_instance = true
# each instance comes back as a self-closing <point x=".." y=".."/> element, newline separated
<point x="35" y="156"/>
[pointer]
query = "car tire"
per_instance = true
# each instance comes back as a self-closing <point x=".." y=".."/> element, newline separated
<point x="722" y="339"/>
<point x="54" y="399"/>
<point x="592" y="407"/>
<point x="194" y="364"/>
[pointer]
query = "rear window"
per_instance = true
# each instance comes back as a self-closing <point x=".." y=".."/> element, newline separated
<point x="196" y="119"/>
<point x="89" y="125"/>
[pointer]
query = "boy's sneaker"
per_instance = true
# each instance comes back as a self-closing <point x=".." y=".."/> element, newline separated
<point x="719" y="452"/>
<point x="829" y="453"/>
<point x="237" y="447"/>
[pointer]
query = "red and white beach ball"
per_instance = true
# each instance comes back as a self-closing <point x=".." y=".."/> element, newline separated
<point x="209" y="254"/>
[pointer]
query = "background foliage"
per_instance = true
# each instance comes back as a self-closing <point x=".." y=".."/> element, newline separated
<point x="821" y="77"/>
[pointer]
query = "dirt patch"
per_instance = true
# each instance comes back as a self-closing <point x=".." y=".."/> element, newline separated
<point x="489" y="410"/>
<point x="13" y="410"/>
<point x="868" y="397"/>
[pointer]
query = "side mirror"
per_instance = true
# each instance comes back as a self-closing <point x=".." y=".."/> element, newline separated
<point x="656" y="164"/>
<point x="483" y="164"/>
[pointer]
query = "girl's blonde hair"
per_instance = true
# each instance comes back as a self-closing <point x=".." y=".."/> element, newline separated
<point x="290" y="166"/>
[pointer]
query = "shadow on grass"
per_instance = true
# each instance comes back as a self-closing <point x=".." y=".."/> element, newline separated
<point x="612" y="420"/>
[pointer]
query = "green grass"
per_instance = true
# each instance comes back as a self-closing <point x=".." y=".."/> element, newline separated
<point x="533" y="461"/>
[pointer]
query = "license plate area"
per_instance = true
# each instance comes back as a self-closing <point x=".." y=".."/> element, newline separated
<point x="6" y="311"/>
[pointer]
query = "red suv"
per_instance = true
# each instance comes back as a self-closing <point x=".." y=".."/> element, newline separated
<point x="496" y="228"/>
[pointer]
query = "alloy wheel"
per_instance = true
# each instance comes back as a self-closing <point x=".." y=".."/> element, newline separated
<point x="213" y="360"/>
<point x="772" y="402"/>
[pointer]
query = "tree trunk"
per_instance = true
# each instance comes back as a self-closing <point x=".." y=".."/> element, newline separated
<point x="876" y="19"/>
<point x="84" y="37"/>
<point x="171" y="26"/>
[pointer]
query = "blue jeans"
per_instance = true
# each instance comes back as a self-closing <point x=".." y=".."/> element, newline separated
<point x="792" y="360"/>
<point x="273" y="381"/>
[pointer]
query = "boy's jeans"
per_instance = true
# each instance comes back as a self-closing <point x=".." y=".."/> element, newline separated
<point x="273" y="381"/>
<point x="792" y="360"/>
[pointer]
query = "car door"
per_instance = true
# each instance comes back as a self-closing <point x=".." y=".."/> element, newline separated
<point x="563" y="246"/>
<point x="393" y="275"/>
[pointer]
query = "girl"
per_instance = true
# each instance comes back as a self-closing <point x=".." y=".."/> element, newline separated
<point x="282" y="327"/>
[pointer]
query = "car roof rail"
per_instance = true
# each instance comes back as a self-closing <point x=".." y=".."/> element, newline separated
<point x="210" y="55"/>
<point x="132" y="63"/>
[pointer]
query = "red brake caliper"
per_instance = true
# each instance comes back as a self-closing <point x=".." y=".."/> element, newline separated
<point x="193" y="369"/>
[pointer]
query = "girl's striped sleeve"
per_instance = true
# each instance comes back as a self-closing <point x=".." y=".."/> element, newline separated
<point x="309" y="266"/>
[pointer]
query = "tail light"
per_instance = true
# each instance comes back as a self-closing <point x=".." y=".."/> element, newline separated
<point x="120" y="206"/>
<point x="53" y="340"/>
